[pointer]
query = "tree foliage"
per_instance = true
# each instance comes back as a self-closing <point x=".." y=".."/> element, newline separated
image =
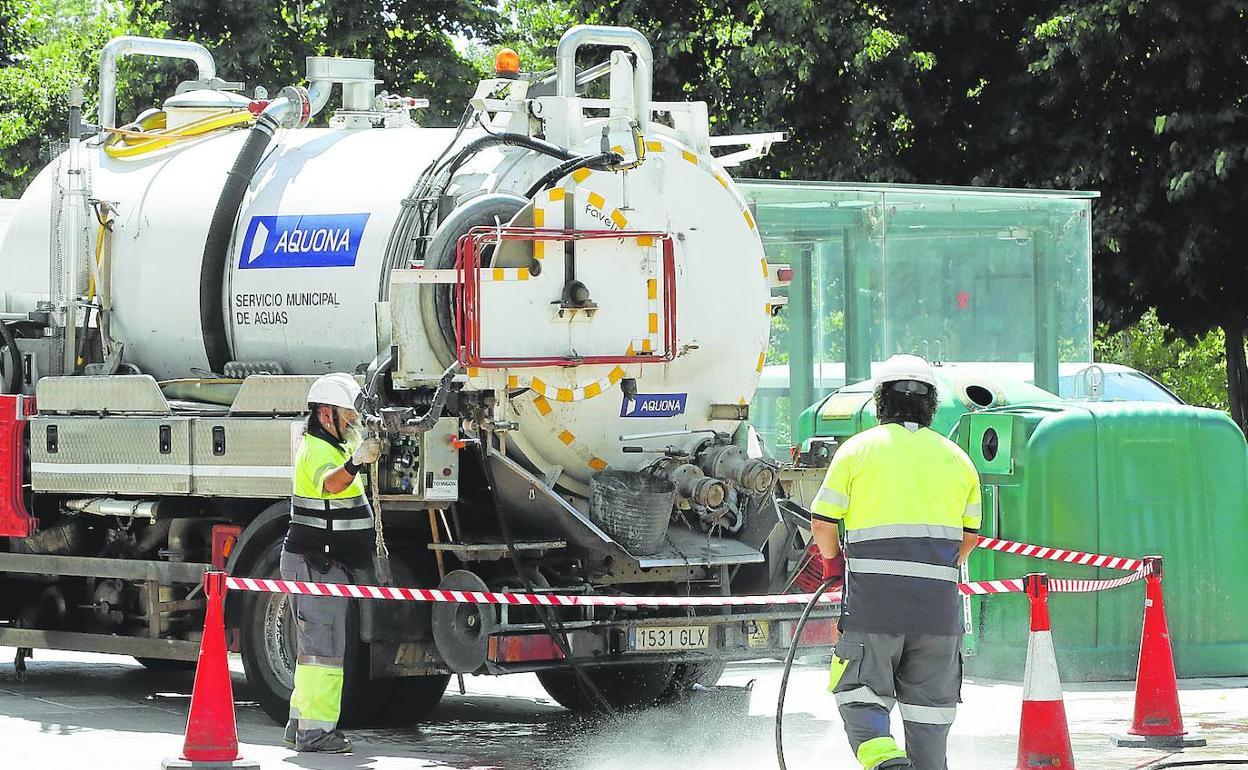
<point x="1195" y="370"/>
<point x="410" y="41"/>
<point x="1151" y="98"/>
<point x="47" y="46"/>
<point x="1146" y="102"/>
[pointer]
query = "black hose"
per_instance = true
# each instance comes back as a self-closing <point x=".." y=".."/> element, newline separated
<point x="568" y="166"/>
<point x="413" y="212"/>
<point x="431" y="417"/>
<point x="508" y="139"/>
<point x="410" y="210"/>
<point x="80" y="355"/>
<point x="788" y="666"/>
<point x="221" y="236"/>
<point x="15" y="359"/>
<point x="554" y="627"/>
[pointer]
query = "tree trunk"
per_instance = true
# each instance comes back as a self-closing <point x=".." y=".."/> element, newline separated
<point x="1237" y="374"/>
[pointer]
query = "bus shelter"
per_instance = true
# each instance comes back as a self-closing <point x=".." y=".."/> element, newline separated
<point x="955" y="274"/>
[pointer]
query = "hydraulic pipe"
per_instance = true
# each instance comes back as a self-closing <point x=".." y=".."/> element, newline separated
<point x="626" y="37"/>
<point x="127" y="45"/>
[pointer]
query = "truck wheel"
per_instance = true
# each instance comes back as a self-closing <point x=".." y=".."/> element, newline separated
<point x="624" y="686"/>
<point x="268" y="650"/>
<point x="689" y="674"/>
<point x="413" y="699"/>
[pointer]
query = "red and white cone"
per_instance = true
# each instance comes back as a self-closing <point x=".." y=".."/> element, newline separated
<point x="1158" y="723"/>
<point x="1043" y="737"/>
<point x="211" y="740"/>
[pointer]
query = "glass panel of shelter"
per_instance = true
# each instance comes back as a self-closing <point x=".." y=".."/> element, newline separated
<point x="952" y="274"/>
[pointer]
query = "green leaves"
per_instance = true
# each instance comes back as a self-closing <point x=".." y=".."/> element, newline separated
<point x="48" y="45"/>
<point x="1195" y="369"/>
<point x="1053" y="28"/>
<point x="879" y="43"/>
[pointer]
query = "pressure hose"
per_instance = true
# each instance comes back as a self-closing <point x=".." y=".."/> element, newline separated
<point x="599" y="161"/>
<point x="292" y="110"/>
<point x="788" y="666"/>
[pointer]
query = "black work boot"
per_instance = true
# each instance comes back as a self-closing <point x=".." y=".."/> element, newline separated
<point x="292" y="729"/>
<point x="322" y="742"/>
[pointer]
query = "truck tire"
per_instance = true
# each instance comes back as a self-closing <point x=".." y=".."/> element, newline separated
<point x="413" y="699"/>
<point x="689" y="674"/>
<point x="268" y="651"/>
<point x="624" y="686"/>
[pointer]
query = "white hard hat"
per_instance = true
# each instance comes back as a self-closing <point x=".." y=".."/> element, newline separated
<point x="337" y="389"/>
<point x="905" y="367"/>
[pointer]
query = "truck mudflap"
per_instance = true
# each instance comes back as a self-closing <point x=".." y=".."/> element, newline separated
<point x="15" y="520"/>
<point x="661" y="640"/>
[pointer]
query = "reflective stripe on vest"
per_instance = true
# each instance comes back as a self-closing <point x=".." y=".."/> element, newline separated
<point x="334" y="525"/>
<point x="916" y="569"/>
<point x="333" y="504"/>
<point x="893" y="531"/>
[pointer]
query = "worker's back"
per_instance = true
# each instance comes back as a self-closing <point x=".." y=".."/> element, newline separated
<point x="903" y="495"/>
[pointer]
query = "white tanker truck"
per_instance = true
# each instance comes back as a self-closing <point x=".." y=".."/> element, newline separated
<point x="559" y="311"/>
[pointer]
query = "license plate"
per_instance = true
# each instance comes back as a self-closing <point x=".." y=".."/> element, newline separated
<point x="669" y="638"/>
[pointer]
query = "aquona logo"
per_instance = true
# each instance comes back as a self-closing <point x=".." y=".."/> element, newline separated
<point x="654" y="405"/>
<point x="303" y="240"/>
<point x="320" y="240"/>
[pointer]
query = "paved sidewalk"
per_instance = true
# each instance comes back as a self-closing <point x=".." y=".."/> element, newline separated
<point x="100" y="712"/>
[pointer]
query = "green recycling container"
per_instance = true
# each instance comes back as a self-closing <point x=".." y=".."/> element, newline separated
<point x="961" y="389"/>
<point x="1121" y="479"/>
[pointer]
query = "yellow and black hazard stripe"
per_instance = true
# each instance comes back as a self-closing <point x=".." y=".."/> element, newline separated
<point x="562" y="394"/>
<point x="568" y="438"/>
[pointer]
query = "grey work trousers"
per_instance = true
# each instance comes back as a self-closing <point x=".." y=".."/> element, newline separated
<point x="320" y="645"/>
<point x="922" y="673"/>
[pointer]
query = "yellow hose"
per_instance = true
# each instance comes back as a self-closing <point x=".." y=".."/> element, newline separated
<point x="155" y="136"/>
<point x="99" y="254"/>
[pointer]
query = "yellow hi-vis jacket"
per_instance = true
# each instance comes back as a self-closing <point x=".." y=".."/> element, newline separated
<point x="338" y="525"/>
<point x="902" y="497"/>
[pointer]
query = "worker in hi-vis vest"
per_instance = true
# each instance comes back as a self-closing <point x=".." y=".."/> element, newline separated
<point x="330" y="540"/>
<point x="904" y="503"/>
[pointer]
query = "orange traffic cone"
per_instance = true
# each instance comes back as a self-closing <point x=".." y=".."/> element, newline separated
<point x="211" y="740"/>
<point x="1158" y="724"/>
<point x="1043" y="738"/>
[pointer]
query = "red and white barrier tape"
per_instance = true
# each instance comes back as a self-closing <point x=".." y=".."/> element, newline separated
<point x="992" y="587"/>
<point x="1058" y="554"/>
<point x="1072" y="585"/>
<point x="492" y="597"/>
<point x="1056" y="585"/>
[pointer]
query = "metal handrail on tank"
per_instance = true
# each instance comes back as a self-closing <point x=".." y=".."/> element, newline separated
<point x="120" y="47"/>
<point x="588" y="34"/>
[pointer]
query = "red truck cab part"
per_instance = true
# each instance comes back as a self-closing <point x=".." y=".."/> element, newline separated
<point x="15" y="520"/>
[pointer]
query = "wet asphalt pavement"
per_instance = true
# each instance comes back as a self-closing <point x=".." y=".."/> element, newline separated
<point x="99" y="712"/>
